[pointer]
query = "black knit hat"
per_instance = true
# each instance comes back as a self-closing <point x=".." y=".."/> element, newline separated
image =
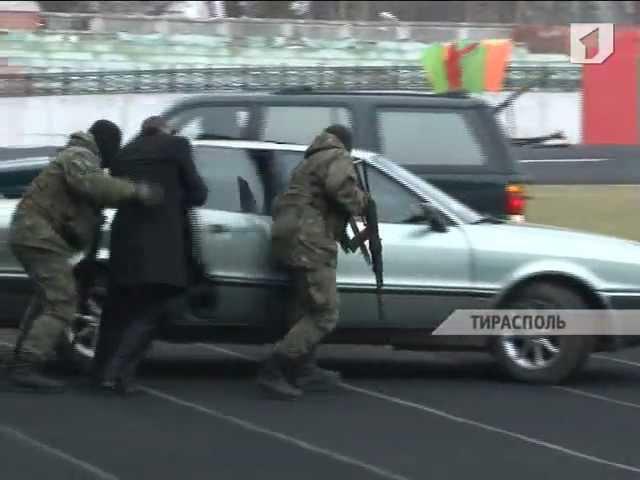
<point x="108" y="137"/>
<point x="343" y="133"/>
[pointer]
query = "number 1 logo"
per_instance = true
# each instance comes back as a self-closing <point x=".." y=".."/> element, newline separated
<point x="591" y="42"/>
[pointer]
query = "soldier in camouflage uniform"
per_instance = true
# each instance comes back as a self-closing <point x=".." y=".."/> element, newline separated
<point x="309" y="220"/>
<point x="56" y="218"/>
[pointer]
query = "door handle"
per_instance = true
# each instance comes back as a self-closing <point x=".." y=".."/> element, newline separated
<point x="219" y="228"/>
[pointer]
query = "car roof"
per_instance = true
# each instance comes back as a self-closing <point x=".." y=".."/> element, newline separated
<point x="260" y="145"/>
<point x="297" y="95"/>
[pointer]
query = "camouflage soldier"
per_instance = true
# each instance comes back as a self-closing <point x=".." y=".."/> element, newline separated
<point x="309" y="220"/>
<point x="56" y="218"/>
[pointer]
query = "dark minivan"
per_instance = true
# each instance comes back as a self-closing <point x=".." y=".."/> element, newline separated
<point x="454" y="141"/>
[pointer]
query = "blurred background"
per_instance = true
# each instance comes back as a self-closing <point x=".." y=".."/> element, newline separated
<point x="62" y="64"/>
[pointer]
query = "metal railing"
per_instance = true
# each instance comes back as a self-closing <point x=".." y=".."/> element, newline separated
<point x="387" y="30"/>
<point x="258" y="79"/>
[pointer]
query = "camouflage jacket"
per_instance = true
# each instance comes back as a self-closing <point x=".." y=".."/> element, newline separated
<point x="311" y="216"/>
<point x="62" y="208"/>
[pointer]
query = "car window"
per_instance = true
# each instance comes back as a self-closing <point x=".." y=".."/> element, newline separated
<point x="300" y="124"/>
<point x="438" y="138"/>
<point x="394" y="201"/>
<point x="224" y="170"/>
<point x="431" y="192"/>
<point x="282" y="167"/>
<point x="213" y="122"/>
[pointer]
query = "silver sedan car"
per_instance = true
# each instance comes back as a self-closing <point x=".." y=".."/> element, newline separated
<point x="439" y="256"/>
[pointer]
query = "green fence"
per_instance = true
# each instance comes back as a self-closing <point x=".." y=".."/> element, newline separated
<point x="255" y="79"/>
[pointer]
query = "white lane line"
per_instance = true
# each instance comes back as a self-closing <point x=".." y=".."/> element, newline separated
<point x="491" y="428"/>
<point x="226" y="351"/>
<point x="565" y="160"/>
<point x="466" y="421"/>
<point x="256" y="428"/>
<point x="617" y="360"/>
<point x="280" y="436"/>
<point x="15" y="434"/>
<point x="604" y="398"/>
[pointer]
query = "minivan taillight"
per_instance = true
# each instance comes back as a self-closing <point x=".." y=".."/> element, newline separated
<point x="515" y="202"/>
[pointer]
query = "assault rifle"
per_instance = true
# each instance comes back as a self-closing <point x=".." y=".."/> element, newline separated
<point x="373" y="255"/>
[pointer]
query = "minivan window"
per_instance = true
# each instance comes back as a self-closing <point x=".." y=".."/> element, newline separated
<point x="300" y="123"/>
<point x="429" y="137"/>
<point x="212" y="122"/>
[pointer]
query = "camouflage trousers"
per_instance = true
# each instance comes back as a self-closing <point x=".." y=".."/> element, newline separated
<point x="53" y="306"/>
<point x="314" y="311"/>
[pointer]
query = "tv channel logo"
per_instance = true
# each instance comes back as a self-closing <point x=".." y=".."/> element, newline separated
<point x="591" y="43"/>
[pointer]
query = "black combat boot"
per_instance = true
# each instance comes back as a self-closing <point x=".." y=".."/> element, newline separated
<point x="309" y="377"/>
<point x="126" y="382"/>
<point x="120" y="373"/>
<point x="27" y="375"/>
<point x="272" y="378"/>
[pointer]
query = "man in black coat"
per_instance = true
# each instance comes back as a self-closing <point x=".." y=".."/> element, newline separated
<point x="149" y="268"/>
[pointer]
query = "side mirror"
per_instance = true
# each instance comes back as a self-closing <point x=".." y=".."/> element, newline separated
<point x="425" y="212"/>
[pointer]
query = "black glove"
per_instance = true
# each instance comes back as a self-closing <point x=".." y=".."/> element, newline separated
<point x="149" y="195"/>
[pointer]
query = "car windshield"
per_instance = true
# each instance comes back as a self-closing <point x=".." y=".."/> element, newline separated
<point x="463" y="212"/>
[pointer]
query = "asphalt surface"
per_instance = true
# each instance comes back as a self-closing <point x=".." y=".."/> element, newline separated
<point x="399" y="415"/>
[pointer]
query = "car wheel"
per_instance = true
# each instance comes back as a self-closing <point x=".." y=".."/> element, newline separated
<point x="543" y="359"/>
<point x="78" y="344"/>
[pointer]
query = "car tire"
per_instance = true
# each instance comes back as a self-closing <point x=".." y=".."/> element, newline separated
<point x="77" y="346"/>
<point x="555" y="359"/>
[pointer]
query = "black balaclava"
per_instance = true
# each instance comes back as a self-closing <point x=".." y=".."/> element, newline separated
<point x="108" y="138"/>
<point x="343" y="133"/>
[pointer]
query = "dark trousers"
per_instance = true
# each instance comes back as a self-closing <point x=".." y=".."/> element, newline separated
<point x="127" y="329"/>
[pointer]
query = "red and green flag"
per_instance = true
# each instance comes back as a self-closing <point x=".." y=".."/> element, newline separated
<point x="467" y="65"/>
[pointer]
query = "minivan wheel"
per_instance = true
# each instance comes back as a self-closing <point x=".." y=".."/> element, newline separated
<point x="79" y="342"/>
<point x="543" y="359"/>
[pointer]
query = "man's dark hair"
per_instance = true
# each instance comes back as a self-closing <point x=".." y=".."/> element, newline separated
<point x="108" y="138"/>
<point x="154" y="125"/>
<point x="343" y="133"/>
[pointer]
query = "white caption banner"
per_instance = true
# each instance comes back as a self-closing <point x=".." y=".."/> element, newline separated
<point x="541" y="322"/>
